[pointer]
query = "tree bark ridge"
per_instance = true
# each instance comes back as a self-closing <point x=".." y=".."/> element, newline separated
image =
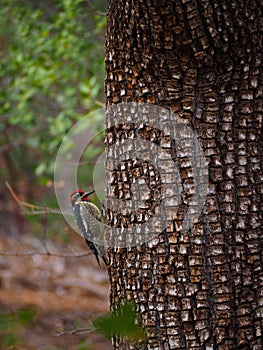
<point x="202" y="60"/>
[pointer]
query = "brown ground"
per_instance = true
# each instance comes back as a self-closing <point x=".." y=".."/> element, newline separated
<point x="66" y="294"/>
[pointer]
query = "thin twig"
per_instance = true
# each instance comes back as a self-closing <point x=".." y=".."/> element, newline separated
<point x="99" y="103"/>
<point x="77" y="331"/>
<point x="12" y="192"/>
<point x="95" y="10"/>
<point x="44" y="235"/>
<point x="47" y="253"/>
<point x="36" y="209"/>
<point x="44" y="211"/>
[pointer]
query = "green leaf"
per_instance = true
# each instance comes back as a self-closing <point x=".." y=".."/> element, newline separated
<point x="123" y="322"/>
<point x="40" y="169"/>
<point x="11" y="339"/>
<point x="25" y="316"/>
<point x="5" y="321"/>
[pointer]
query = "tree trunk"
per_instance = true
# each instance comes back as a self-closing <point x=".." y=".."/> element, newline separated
<point x="197" y="287"/>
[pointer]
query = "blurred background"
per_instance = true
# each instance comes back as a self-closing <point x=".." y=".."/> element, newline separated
<point x="51" y="76"/>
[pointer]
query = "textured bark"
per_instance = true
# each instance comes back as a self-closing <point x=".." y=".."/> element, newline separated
<point x="203" y="60"/>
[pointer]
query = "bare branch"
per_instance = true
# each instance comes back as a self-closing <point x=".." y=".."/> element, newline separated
<point x="47" y="253"/>
<point x="12" y="192"/>
<point x="100" y="104"/>
<point x="75" y="331"/>
<point x="36" y="210"/>
<point x="95" y="10"/>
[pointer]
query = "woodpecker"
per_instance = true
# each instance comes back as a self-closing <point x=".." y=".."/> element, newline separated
<point x="89" y="222"/>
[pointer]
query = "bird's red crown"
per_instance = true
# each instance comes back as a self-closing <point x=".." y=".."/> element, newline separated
<point x="80" y="193"/>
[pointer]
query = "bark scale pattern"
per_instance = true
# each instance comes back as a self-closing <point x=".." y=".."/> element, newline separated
<point x="203" y="60"/>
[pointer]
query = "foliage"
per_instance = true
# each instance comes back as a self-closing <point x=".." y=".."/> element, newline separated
<point x="122" y="322"/>
<point x="51" y="75"/>
<point x="12" y="326"/>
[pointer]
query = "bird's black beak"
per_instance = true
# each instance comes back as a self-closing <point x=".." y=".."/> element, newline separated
<point x="87" y="194"/>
